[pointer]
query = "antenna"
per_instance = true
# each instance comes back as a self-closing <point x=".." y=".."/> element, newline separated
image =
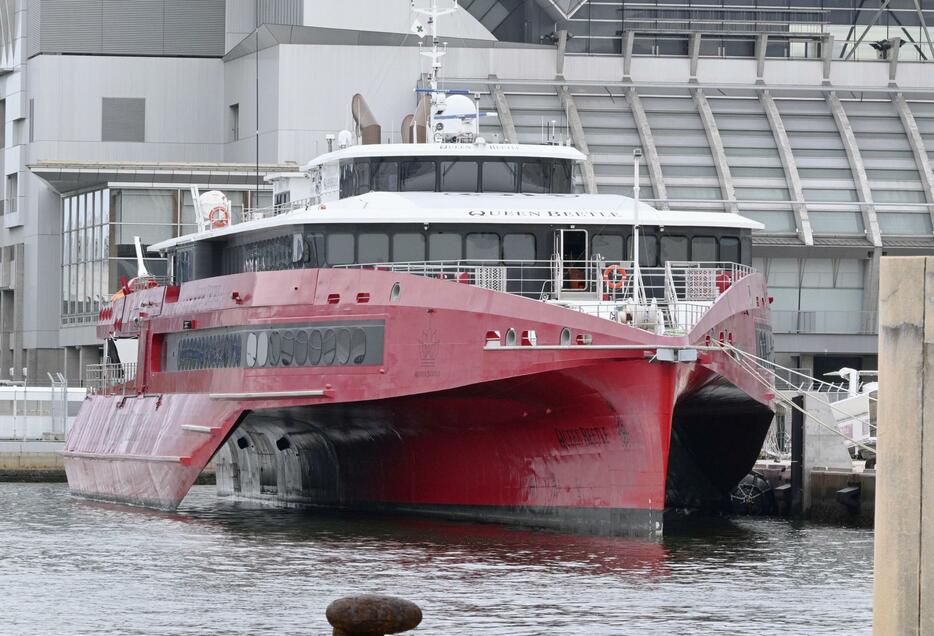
<point x="141" y="271"/>
<point x="437" y="52"/>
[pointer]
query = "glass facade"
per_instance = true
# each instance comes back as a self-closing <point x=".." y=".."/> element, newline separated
<point x="97" y="240"/>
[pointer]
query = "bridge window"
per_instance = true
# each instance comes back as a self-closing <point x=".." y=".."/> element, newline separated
<point x="445" y="247"/>
<point x="729" y="249"/>
<point x="418" y="176"/>
<point x="519" y="247"/>
<point x="408" y="247"/>
<point x="561" y="177"/>
<point x="373" y="248"/>
<point x="385" y="175"/>
<point x="704" y="249"/>
<point x="340" y="248"/>
<point x="534" y="177"/>
<point x="499" y="175"/>
<point x="459" y="176"/>
<point x="608" y="246"/>
<point x="482" y="247"/>
<point x="674" y="248"/>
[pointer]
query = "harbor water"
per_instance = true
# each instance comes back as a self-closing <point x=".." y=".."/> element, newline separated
<point x="69" y="566"/>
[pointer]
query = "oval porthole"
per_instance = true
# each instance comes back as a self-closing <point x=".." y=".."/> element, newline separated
<point x="251" y="350"/>
<point x="357" y="345"/>
<point x="328" y="347"/>
<point x="395" y="293"/>
<point x="511" y="337"/>
<point x="314" y="347"/>
<point x="275" y="341"/>
<point x="301" y="348"/>
<point x="343" y="347"/>
<point x="565" y="337"/>
<point x="262" y="348"/>
<point x="287" y="348"/>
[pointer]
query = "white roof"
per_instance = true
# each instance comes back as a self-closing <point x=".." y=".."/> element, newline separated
<point x="436" y="208"/>
<point x="452" y="150"/>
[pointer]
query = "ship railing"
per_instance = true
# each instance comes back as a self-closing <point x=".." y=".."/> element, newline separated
<point x="254" y="214"/>
<point x="673" y="298"/>
<point x="110" y="378"/>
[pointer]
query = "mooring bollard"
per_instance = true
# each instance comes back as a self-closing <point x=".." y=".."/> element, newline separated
<point x="372" y="615"/>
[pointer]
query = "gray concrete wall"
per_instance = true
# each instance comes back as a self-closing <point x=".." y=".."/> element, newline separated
<point x="904" y="540"/>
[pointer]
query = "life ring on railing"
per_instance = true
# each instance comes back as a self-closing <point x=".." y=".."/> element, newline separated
<point x="614" y="276"/>
<point x="219" y="216"/>
<point x="724" y="281"/>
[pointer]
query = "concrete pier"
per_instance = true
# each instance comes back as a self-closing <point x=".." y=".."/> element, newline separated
<point x="904" y="541"/>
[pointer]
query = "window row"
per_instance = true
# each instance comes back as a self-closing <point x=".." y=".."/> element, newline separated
<point x="538" y="176"/>
<point x="375" y="247"/>
<point x="655" y="251"/>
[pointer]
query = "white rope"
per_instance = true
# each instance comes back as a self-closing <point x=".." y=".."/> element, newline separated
<point x="788" y="402"/>
<point x="764" y="362"/>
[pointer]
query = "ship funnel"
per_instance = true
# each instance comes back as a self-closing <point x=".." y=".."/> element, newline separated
<point x="415" y="127"/>
<point x="368" y="130"/>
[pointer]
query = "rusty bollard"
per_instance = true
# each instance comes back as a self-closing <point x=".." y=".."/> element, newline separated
<point x="372" y="615"/>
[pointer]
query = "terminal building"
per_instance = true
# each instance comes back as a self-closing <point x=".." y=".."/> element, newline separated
<point x="814" y="117"/>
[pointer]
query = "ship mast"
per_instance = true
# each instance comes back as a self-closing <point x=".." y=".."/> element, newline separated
<point x="432" y="13"/>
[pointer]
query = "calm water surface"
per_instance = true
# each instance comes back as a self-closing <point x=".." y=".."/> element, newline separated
<point x="74" y="567"/>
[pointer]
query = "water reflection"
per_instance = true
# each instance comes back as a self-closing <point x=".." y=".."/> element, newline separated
<point x="221" y="566"/>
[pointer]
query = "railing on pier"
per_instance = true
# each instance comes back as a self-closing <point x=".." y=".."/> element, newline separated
<point x="667" y="299"/>
<point x="110" y="378"/>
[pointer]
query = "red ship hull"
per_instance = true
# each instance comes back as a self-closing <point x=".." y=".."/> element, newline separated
<point x="430" y="416"/>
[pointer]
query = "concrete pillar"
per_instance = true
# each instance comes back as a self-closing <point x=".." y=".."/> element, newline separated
<point x="904" y="539"/>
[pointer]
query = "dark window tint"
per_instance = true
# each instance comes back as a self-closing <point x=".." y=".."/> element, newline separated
<point x="361" y="176"/>
<point x="418" y="176"/>
<point x="704" y="249"/>
<point x="609" y="247"/>
<point x="534" y="177"/>
<point x="499" y="176"/>
<point x="459" y="176"/>
<point x="385" y="176"/>
<point x="483" y="247"/>
<point x="445" y="247"/>
<point x="339" y="249"/>
<point x="373" y="248"/>
<point x="347" y="182"/>
<point x="648" y="250"/>
<point x="519" y="247"/>
<point x="729" y="249"/>
<point x="408" y="247"/>
<point x="674" y="248"/>
<point x="561" y="177"/>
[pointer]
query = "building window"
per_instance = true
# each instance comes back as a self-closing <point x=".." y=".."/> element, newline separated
<point x="123" y="119"/>
<point x="12" y="188"/>
<point x="233" y="119"/>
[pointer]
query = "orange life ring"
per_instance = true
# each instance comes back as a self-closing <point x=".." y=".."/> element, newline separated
<point x="614" y="276"/>
<point x="219" y="216"/>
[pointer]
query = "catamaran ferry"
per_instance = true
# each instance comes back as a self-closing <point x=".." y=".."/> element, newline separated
<point x="441" y="326"/>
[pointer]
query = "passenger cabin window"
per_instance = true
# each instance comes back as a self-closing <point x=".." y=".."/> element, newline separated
<point x="499" y="175"/>
<point x="648" y="250"/>
<point x="561" y="181"/>
<point x="372" y="248"/>
<point x="408" y="247"/>
<point x="704" y="249"/>
<point x="418" y="176"/>
<point x="445" y="247"/>
<point x="519" y="247"/>
<point x="729" y="249"/>
<point x="674" y="248"/>
<point x="608" y="246"/>
<point x="385" y="175"/>
<point x="459" y="176"/>
<point x="340" y="248"/>
<point x="482" y="247"/>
